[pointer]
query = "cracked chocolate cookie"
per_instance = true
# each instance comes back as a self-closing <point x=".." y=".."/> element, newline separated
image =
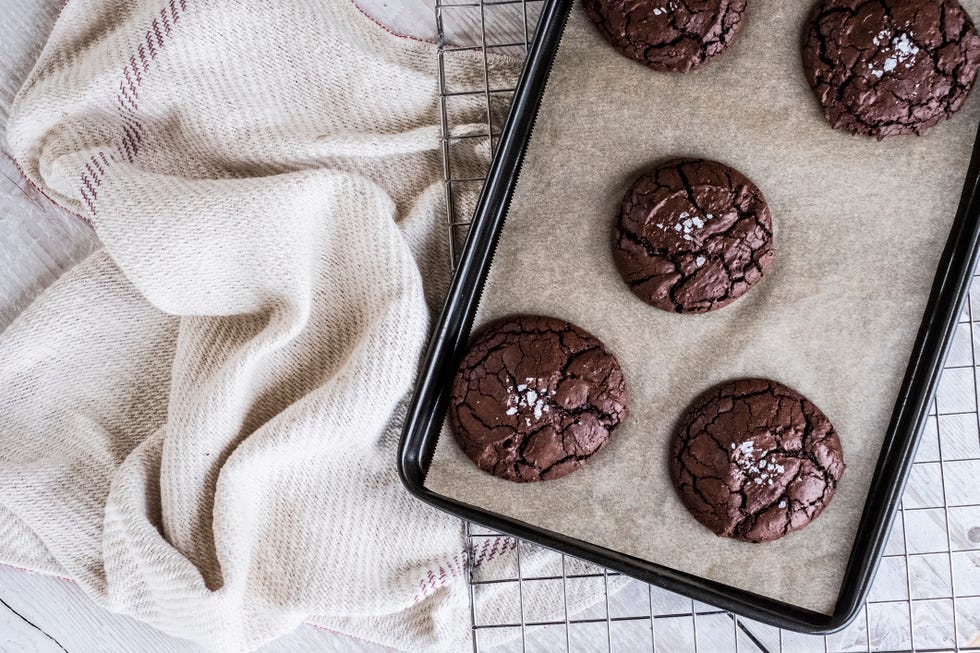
<point x="693" y="236"/>
<point x="535" y="397"/>
<point x="889" y="67"/>
<point x="754" y="460"/>
<point x="669" y="35"/>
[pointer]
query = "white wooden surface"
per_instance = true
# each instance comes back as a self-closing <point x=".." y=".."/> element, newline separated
<point x="40" y="614"/>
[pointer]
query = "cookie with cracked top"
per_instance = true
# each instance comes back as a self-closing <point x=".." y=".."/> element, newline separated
<point x="693" y="236"/>
<point x="754" y="460"/>
<point x="535" y="397"/>
<point x="890" y="67"/>
<point x="669" y="35"/>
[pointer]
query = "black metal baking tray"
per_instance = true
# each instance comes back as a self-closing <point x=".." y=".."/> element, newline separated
<point x="451" y="333"/>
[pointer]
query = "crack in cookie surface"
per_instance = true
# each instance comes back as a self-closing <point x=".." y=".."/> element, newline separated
<point x="693" y="236"/>
<point x="669" y="35"/>
<point x="535" y="397"/>
<point x="890" y="67"/>
<point x="754" y="460"/>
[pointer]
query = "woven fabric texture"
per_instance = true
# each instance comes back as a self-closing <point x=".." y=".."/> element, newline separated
<point x="199" y="420"/>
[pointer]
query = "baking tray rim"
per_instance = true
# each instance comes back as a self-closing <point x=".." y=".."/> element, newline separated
<point x="451" y="332"/>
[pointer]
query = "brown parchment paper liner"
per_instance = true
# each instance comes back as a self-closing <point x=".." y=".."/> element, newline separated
<point x="859" y="228"/>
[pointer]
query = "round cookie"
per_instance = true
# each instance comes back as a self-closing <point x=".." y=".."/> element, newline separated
<point x="535" y="397"/>
<point x="693" y="236"/>
<point x="754" y="460"/>
<point x="889" y="67"/>
<point x="669" y="35"/>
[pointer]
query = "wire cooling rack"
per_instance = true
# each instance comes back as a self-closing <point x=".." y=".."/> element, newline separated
<point x="926" y="596"/>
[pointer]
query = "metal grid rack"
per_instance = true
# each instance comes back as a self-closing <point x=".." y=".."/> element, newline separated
<point x="926" y="596"/>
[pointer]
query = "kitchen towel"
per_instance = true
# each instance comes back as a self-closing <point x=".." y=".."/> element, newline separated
<point x="199" y="420"/>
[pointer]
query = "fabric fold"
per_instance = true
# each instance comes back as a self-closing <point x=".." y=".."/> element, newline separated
<point x="200" y="419"/>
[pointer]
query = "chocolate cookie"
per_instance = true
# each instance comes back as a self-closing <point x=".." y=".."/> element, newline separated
<point x="535" y="397"/>
<point x="693" y="236"/>
<point x="669" y="35"/>
<point x="888" y="67"/>
<point x="754" y="460"/>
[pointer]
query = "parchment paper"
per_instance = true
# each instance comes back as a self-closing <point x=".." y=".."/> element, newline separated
<point x="859" y="228"/>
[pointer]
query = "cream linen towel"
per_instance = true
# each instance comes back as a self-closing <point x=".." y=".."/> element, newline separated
<point x="199" y="421"/>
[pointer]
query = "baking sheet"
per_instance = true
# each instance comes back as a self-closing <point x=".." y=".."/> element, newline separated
<point x="859" y="228"/>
